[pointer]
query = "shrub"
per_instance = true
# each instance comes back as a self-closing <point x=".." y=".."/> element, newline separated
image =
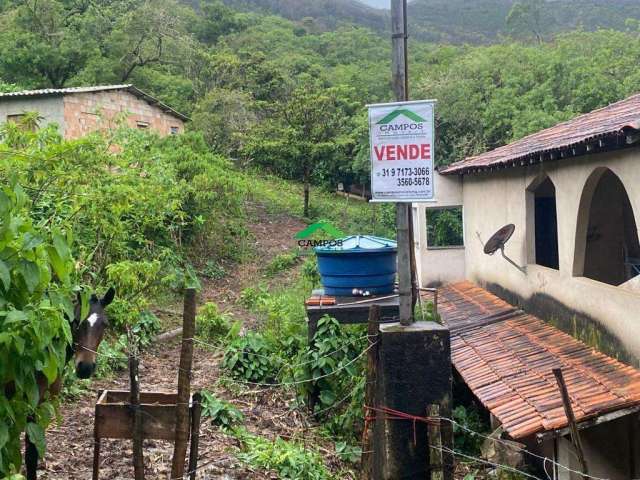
<point x="251" y="358"/>
<point x="221" y="413"/>
<point x="211" y="323"/>
<point x="35" y="296"/>
<point x="288" y="459"/>
<point x="281" y="262"/>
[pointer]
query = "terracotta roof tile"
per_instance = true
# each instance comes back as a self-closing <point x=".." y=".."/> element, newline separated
<point x="613" y="121"/>
<point x="506" y="356"/>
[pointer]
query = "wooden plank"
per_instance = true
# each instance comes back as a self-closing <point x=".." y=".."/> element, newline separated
<point x="115" y="421"/>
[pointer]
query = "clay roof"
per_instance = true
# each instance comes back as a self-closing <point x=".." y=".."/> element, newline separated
<point x="506" y="358"/>
<point x="600" y="130"/>
<point x="98" y="88"/>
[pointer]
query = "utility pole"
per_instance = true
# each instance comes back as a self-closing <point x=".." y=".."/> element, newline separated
<point x="404" y="221"/>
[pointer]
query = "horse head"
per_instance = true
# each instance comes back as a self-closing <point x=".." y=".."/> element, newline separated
<point x="88" y="333"/>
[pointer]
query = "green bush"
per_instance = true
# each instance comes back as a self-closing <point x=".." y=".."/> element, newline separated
<point x="281" y="263"/>
<point x="221" y="413"/>
<point x="36" y="289"/>
<point x="251" y="358"/>
<point x="289" y="459"/>
<point x="212" y="324"/>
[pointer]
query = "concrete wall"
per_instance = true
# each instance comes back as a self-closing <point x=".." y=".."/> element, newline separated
<point x="50" y="109"/>
<point x="612" y="451"/>
<point x="438" y="265"/>
<point x="87" y="112"/>
<point x="494" y="199"/>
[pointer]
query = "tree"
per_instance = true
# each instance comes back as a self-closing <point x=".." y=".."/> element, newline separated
<point x="225" y="117"/>
<point x="306" y="134"/>
<point x="527" y="16"/>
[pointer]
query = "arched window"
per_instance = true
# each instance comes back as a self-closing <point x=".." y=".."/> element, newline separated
<point x="607" y="247"/>
<point x="543" y="218"/>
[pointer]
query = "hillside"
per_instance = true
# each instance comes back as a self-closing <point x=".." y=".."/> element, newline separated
<point x="454" y="21"/>
<point x="327" y="14"/>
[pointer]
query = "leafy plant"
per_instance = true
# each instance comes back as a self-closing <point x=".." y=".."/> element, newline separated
<point x="281" y="262"/>
<point x="213" y="324"/>
<point x="288" y="459"/>
<point x="251" y="358"/>
<point x="213" y="270"/>
<point x="35" y="297"/>
<point x="470" y="419"/>
<point x="221" y="413"/>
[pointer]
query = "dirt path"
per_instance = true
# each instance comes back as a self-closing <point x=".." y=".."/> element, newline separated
<point x="70" y="445"/>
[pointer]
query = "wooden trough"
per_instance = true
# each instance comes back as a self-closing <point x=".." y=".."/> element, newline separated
<point x="114" y="418"/>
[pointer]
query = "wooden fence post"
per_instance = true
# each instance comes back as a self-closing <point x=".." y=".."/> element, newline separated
<point x="370" y="390"/>
<point x="195" y="435"/>
<point x="134" y="400"/>
<point x="184" y="384"/>
<point x="436" y="462"/>
<point x="568" y="410"/>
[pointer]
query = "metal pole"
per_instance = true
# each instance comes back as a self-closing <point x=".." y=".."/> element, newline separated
<point x="403" y="210"/>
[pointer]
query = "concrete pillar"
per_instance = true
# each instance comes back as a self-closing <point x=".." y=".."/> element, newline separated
<point x="414" y="371"/>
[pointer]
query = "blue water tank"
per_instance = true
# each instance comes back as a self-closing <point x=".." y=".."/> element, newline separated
<point x="358" y="262"/>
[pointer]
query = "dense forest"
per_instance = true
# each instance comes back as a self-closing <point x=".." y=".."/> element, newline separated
<point x="267" y="96"/>
<point x="459" y="21"/>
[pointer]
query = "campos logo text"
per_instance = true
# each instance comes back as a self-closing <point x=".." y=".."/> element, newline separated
<point x="332" y="236"/>
<point x="416" y="124"/>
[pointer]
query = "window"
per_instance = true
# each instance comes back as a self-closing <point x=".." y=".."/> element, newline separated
<point x="142" y="125"/>
<point x="175" y="130"/>
<point x="607" y="247"/>
<point x="16" y="118"/>
<point x="545" y="223"/>
<point x="444" y="228"/>
<point x="26" y="123"/>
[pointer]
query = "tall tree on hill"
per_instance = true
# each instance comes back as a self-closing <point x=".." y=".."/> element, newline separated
<point x="307" y="134"/>
<point x="526" y="18"/>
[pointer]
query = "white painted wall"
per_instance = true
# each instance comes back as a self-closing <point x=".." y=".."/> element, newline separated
<point x="491" y="200"/>
<point x="438" y="265"/>
<point x="50" y="108"/>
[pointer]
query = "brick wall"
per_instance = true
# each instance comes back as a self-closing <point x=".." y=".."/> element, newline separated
<point x="87" y="112"/>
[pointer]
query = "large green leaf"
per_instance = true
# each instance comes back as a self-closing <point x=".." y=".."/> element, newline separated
<point x="31" y="274"/>
<point x="5" y="275"/>
<point x="36" y="435"/>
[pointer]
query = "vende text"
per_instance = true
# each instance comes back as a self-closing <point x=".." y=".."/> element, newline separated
<point x="403" y="152"/>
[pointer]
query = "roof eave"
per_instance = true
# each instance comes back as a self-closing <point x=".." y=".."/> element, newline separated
<point x="606" y="142"/>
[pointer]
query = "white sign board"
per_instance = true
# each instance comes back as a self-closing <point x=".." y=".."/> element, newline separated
<point x="402" y="148"/>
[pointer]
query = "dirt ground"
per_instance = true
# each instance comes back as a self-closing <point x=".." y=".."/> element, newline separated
<point x="70" y="444"/>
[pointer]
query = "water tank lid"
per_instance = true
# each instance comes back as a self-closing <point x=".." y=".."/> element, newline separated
<point x="360" y="244"/>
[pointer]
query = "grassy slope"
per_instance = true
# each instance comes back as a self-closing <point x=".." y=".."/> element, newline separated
<point x="351" y="216"/>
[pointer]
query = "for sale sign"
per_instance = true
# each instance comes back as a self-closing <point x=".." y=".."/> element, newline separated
<point x="402" y="148"/>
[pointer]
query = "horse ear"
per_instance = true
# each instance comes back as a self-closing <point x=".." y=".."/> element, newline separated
<point x="108" y="297"/>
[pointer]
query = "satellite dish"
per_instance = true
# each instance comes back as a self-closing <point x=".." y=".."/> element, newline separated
<point x="499" y="239"/>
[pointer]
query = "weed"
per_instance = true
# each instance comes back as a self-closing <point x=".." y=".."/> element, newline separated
<point x="281" y="263"/>
<point x="221" y="413"/>
<point x="465" y="441"/>
<point x="289" y="459"/>
<point x="212" y="324"/>
<point x="213" y="270"/>
<point x="252" y="358"/>
<point x="310" y="271"/>
<point x="253" y="298"/>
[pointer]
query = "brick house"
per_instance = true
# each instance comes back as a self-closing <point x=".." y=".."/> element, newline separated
<point x="80" y="110"/>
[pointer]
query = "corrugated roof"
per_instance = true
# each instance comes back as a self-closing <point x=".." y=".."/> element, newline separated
<point x="98" y="88"/>
<point x="507" y="358"/>
<point x="599" y="130"/>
